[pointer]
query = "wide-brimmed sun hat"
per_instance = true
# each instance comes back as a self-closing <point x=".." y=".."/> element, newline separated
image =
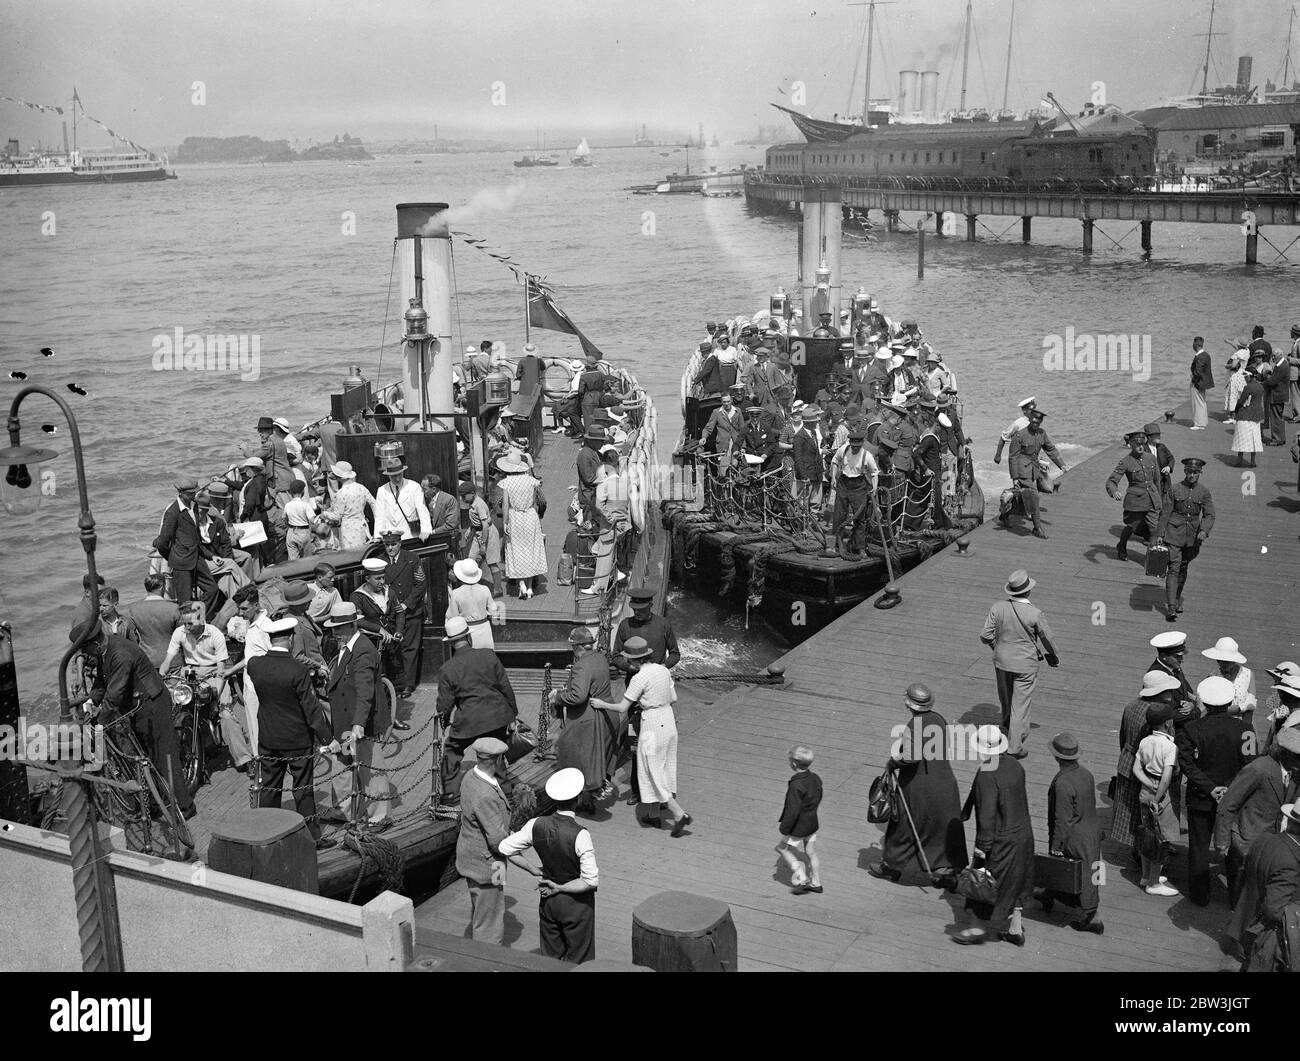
<point x="467" y="571"/>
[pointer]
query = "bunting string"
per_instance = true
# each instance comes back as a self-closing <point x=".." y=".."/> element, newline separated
<point x="46" y="108"/>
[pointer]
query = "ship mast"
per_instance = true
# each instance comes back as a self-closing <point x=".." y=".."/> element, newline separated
<point x="871" y="47"/>
<point x="965" y="58"/>
<point x="1285" y="80"/>
<point x="1006" y="84"/>
<point x="1209" y="39"/>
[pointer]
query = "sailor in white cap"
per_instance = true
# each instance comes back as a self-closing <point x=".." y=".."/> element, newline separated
<point x="566" y="914"/>
<point x="1171" y="650"/>
<point x="291" y="725"/>
<point x="1211" y="752"/>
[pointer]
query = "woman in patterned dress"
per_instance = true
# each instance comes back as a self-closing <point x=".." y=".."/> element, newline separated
<point x="1249" y="414"/>
<point x="348" y="507"/>
<point x="1156" y="685"/>
<point x="525" y="546"/>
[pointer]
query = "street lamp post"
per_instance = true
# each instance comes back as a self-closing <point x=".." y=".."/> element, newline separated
<point x="17" y="457"/>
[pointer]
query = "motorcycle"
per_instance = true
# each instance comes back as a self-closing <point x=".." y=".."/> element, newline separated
<point x="196" y="717"/>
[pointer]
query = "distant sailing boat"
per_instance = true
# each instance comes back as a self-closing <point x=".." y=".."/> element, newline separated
<point x="581" y="154"/>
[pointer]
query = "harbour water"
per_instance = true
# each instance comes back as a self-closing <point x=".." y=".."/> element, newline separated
<point x="299" y="256"/>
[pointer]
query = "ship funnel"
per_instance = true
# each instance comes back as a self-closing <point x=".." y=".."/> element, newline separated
<point x="909" y="97"/>
<point x="424" y="261"/>
<point x="820" y="249"/>
<point x="1243" y="71"/>
<point x="930" y="94"/>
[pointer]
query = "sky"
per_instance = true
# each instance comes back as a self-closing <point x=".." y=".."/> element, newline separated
<point x="505" y="69"/>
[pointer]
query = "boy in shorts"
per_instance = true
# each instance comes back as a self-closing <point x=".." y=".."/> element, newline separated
<point x="798" y="825"/>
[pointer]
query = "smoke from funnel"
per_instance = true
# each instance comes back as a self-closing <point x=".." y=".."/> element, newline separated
<point x="484" y="201"/>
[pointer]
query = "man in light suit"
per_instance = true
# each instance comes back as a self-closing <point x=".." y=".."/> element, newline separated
<point x="725" y="429"/>
<point x="179" y="543"/>
<point x="1013" y="629"/>
<point x="358" y="708"/>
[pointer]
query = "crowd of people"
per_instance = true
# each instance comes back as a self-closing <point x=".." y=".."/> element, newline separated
<point x="883" y="423"/>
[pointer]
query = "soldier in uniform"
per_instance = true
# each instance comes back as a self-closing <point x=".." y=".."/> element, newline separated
<point x="1163" y="454"/>
<point x="1142" y="499"/>
<point x="1185" y="521"/>
<point x="1026" y="444"/>
<point x="760" y="437"/>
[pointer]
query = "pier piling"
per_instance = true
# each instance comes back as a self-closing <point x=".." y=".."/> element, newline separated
<point x="1146" y="235"/>
<point x="1252" y="246"/>
<point x="1087" y="235"/>
<point x="970" y="228"/>
<point x="1025" y="225"/>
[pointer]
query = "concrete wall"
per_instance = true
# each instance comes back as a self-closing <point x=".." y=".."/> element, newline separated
<point x="182" y="916"/>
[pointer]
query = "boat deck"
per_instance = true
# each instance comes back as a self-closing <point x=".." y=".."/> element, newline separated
<point x="846" y="694"/>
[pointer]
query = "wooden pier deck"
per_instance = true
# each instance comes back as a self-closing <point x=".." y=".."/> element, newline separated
<point x="846" y="694"/>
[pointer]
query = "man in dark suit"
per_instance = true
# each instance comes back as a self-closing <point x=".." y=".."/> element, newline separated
<point x="1186" y="519"/>
<point x="214" y="533"/>
<point x="1163" y="454"/>
<point x="588" y="463"/>
<point x="591" y="389"/>
<point x="1072" y="827"/>
<point x="405" y="576"/>
<point x="475" y="699"/>
<point x="809" y="470"/>
<point x="178" y="543"/>
<point x="1202" y="381"/>
<point x="1272" y="875"/>
<point x="291" y="725"/>
<point x="1252" y="806"/>
<point x="358" y="707"/>
<point x="1211" y="752"/>
<point x="129" y="682"/>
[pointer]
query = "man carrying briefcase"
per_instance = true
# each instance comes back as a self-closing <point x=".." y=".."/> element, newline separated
<point x="1069" y="871"/>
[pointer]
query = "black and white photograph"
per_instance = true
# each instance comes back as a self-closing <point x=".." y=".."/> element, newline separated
<point x="694" y="486"/>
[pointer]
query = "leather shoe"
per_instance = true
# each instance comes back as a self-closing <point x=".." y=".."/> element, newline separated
<point x="1040" y="533"/>
<point x="1095" y="927"/>
<point x="681" y="824"/>
<point x="401" y="726"/>
<point x="1121" y="553"/>
<point x="883" y="871"/>
<point x="972" y="940"/>
<point x="1016" y="938"/>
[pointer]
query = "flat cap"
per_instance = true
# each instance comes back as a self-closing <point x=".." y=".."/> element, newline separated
<point x="489" y="747"/>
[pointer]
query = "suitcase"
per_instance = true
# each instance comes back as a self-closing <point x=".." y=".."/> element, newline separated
<point x="1057" y="874"/>
<point x="1157" y="561"/>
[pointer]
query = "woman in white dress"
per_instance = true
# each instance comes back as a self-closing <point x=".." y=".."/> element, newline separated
<point x="1236" y="381"/>
<point x="651" y="686"/>
<point x="473" y="602"/>
<point x="1232" y="665"/>
<point x="525" y="546"/>
<point x="348" y="507"/>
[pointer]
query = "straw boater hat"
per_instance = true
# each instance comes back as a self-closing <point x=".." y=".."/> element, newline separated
<point x="1225" y="650"/>
<point x="884" y="355"/>
<point x="811" y="414"/>
<point x="467" y="571"/>
<point x="342" y="470"/>
<point x="511" y="465"/>
<point x="566" y="784"/>
<point x="393" y="466"/>
<point x="989" y="741"/>
<point x="457" y="629"/>
<point x="342" y="613"/>
<point x="1064" y="746"/>
<point x="1019" y="583"/>
<point x="1155" y="682"/>
<point x="637" y="648"/>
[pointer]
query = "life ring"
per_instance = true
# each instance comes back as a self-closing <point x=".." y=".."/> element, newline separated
<point x="557" y="378"/>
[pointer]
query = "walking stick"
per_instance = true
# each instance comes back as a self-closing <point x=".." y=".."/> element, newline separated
<point x="920" y="849"/>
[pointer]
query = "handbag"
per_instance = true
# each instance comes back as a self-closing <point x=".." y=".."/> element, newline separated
<point x="977" y="885"/>
<point x="882" y="802"/>
<point x="520" y="741"/>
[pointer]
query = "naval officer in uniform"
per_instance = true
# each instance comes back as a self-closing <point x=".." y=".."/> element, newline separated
<point x="1185" y="521"/>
